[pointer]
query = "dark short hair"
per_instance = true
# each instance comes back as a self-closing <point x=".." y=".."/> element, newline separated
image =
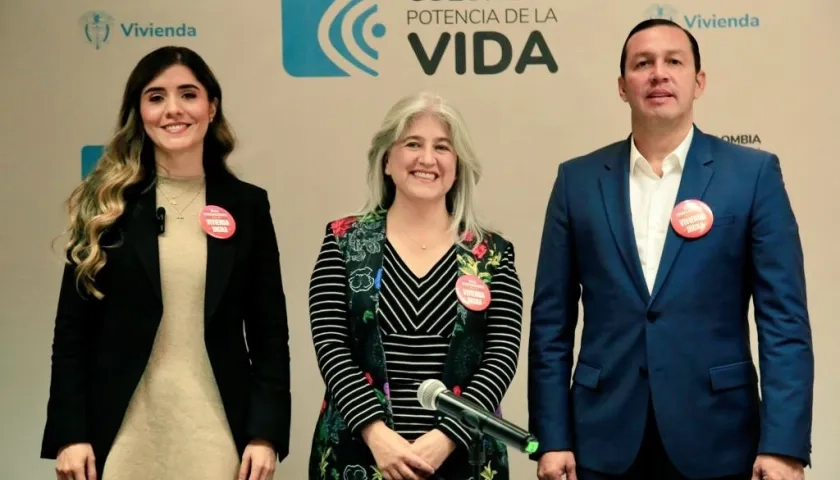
<point x="660" y="22"/>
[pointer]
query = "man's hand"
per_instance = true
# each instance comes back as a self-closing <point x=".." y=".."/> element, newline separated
<point x="553" y="465"/>
<point x="259" y="458"/>
<point x="774" y="467"/>
<point x="434" y="447"/>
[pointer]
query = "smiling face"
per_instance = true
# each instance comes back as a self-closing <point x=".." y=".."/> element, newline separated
<point x="176" y="112"/>
<point x="422" y="163"/>
<point x="660" y="82"/>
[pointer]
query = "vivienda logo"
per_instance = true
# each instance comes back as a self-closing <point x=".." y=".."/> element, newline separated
<point x="698" y="21"/>
<point x="330" y="38"/>
<point x="99" y="29"/>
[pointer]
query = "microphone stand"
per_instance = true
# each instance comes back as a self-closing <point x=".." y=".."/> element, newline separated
<point x="477" y="454"/>
<point x="476" y="450"/>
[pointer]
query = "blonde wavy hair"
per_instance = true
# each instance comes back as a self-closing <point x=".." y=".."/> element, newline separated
<point x="460" y="198"/>
<point x="128" y="163"/>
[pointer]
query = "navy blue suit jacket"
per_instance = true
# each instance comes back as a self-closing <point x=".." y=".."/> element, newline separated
<point x="687" y="342"/>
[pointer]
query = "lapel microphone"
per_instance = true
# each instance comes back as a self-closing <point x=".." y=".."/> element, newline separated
<point x="160" y="214"/>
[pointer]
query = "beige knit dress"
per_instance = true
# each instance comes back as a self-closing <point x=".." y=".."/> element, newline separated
<point x="175" y="426"/>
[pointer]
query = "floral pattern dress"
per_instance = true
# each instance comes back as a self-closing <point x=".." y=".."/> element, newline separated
<point x="338" y="452"/>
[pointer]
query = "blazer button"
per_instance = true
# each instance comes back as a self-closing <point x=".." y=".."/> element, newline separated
<point x="652" y="316"/>
<point x="643" y="371"/>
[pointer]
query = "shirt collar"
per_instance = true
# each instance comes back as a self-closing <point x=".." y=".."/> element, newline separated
<point x="679" y="154"/>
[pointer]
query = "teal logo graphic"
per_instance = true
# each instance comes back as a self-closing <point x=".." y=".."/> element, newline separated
<point x="658" y="10"/>
<point x="699" y="21"/>
<point x="90" y="155"/>
<point x="330" y="38"/>
<point x="97" y="27"/>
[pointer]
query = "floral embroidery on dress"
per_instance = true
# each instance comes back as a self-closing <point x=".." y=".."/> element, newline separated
<point x="460" y="320"/>
<point x="377" y="282"/>
<point x="488" y="473"/>
<point x="476" y="264"/>
<point x="341" y="226"/>
<point x="339" y="453"/>
<point x="361" y="280"/>
<point x="359" y="248"/>
<point x="325" y="454"/>
<point x="479" y="250"/>
<point x="362" y="236"/>
<point x="355" y="472"/>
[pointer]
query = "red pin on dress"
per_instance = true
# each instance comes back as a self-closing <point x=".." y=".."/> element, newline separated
<point x="217" y="222"/>
<point x="472" y="292"/>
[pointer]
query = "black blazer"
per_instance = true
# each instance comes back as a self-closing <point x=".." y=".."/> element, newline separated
<point x="101" y="347"/>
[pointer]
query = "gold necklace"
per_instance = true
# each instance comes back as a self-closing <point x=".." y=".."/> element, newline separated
<point x="180" y="215"/>
<point x="421" y="245"/>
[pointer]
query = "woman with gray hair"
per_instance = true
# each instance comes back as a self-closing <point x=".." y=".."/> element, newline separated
<point x="413" y="287"/>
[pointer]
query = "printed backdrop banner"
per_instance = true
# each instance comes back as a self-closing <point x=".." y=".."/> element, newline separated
<point x="306" y="83"/>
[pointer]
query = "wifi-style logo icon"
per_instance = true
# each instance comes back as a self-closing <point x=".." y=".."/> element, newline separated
<point x="330" y="38"/>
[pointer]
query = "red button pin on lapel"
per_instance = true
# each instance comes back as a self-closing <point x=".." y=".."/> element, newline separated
<point x="692" y="219"/>
<point x="217" y="222"/>
<point x="472" y="292"/>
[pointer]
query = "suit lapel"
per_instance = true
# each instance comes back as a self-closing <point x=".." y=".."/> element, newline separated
<point x="695" y="178"/>
<point x="142" y="233"/>
<point x="615" y="192"/>
<point x="221" y="254"/>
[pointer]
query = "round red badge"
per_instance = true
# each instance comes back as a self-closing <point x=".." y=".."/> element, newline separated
<point x="217" y="222"/>
<point x="472" y="292"/>
<point x="692" y="219"/>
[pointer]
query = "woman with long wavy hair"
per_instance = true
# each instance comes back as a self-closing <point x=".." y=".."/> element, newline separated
<point x="169" y="256"/>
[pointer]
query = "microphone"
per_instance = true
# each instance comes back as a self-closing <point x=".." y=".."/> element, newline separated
<point x="160" y="214"/>
<point x="433" y="395"/>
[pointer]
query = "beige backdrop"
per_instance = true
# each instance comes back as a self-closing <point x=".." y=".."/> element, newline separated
<point x="771" y="80"/>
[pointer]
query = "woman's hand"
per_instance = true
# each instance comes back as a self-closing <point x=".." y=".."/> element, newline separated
<point x="394" y="456"/>
<point x="434" y="447"/>
<point x="76" y="462"/>
<point x="259" y="458"/>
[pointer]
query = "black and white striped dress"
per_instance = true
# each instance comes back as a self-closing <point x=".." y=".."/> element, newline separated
<point x="416" y="318"/>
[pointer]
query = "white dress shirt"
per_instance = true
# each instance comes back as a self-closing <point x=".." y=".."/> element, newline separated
<point x="652" y="199"/>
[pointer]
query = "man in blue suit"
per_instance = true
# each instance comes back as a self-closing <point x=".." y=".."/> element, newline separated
<point x="665" y="387"/>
